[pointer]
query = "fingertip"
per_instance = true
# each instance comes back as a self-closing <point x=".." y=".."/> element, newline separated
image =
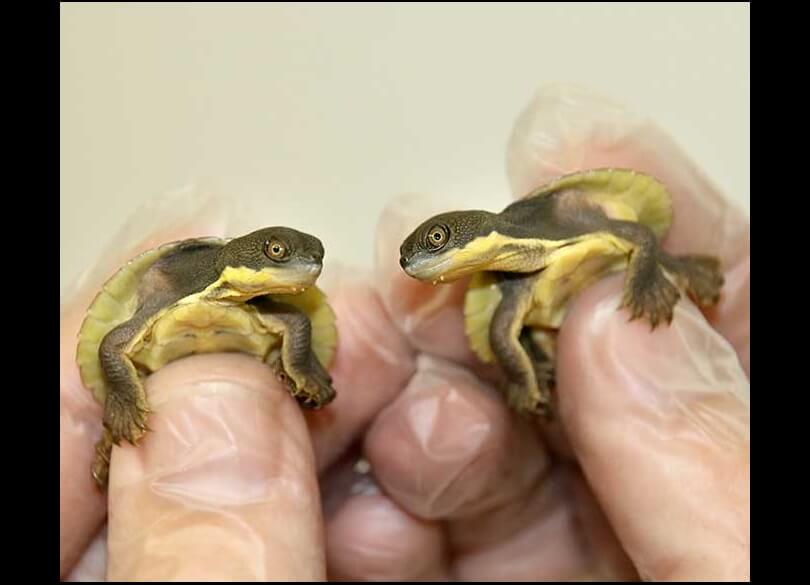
<point x="448" y="440"/>
<point x="81" y="504"/>
<point x="373" y="539"/>
<point x="660" y="424"/>
<point x="401" y="214"/>
<point x="230" y="451"/>
<point x="628" y="366"/>
<point x="567" y="128"/>
<point x="559" y="131"/>
<point x="195" y="210"/>
<point x="431" y="316"/>
<point x="372" y="364"/>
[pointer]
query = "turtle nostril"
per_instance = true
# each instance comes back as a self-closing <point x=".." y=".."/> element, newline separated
<point x="403" y="261"/>
<point x="318" y="254"/>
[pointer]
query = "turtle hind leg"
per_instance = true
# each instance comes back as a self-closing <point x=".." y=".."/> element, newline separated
<point x="297" y="366"/>
<point x="126" y="407"/>
<point x="543" y="363"/>
<point x="648" y="291"/>
<point x="526" y="392"/>
<point x="701" y="276"/>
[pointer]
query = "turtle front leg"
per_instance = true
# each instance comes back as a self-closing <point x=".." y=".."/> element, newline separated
<point x="297" y="365"/>
<point x="528" y="390"/>
<point x="126" y="407"/>
<point x="647" y="291"/>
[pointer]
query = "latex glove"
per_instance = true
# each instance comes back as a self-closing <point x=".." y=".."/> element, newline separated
<point x="468" y="491"/>
<point x="657" y="423"/>
<point x="226" y="486"/>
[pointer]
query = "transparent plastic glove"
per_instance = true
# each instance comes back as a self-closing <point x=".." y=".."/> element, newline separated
<point x="184" y="213"/>
<point x="648" y="475"/>
<point x="457" y="487"/>
<point x="226" y="485"/>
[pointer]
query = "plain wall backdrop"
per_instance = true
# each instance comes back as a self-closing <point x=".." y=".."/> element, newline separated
<point x="318" y="114"/>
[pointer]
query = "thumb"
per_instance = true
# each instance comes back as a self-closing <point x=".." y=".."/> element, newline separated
<point x="660" y="424"/>
<point x="184" y="213"/>
<point x="224" y="488"/>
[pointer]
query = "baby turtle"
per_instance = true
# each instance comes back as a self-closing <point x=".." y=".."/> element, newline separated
<point x="530" y="259"/>
<point x="254" y="294"/>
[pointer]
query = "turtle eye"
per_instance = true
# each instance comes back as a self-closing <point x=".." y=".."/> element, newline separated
<point x="275" y="250"/>
<point x="437" y="237"/>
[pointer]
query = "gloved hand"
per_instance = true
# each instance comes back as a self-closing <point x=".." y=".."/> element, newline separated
<point x="226" y="486"/>
<point x="657" y="423"/>
<point x="647" y="473"/>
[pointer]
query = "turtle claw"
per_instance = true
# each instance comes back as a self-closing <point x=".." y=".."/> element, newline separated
<point x="286" y="381"/>
<point x="655" y="299"/>
<point x="100" y="468"/>
<point x="703" y="278"/>
<point x="525" y="402"/>
<point x="308" y="402"/>
<point x="127" y="422"/>
<point x="316" y="390"/>
<point x="316" y="393"/>
<point x="545" y="377"/>
<point x="101" y="474"/>
<point x="124" y="420"/>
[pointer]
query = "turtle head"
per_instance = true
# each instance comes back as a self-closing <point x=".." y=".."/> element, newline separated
<point x="273" y="260"/>
<point x="448" y="246"/>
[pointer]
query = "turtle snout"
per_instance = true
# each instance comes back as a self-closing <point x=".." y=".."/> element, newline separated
<point x="406" y="260"/>
<point x="316" y="255"/>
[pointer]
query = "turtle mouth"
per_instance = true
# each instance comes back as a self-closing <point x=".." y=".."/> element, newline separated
<point x="304" y="273"/>
<point x="289" y="279"/>
<point x="432" y="268"/>
<point x="293" y="279"/>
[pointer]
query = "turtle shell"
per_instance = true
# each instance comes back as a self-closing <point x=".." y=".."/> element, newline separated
<point x="622" y="194"/>
<point x="191" y="325"/>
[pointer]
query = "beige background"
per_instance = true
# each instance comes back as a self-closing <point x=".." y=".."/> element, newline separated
<point x="316" y="114"/>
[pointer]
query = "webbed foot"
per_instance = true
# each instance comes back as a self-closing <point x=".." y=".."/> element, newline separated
<point x="649" y="294"/>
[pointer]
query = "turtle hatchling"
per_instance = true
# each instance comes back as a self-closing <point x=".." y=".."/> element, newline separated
<point x="529" y="260"/>
<point x="253" y="294"/>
